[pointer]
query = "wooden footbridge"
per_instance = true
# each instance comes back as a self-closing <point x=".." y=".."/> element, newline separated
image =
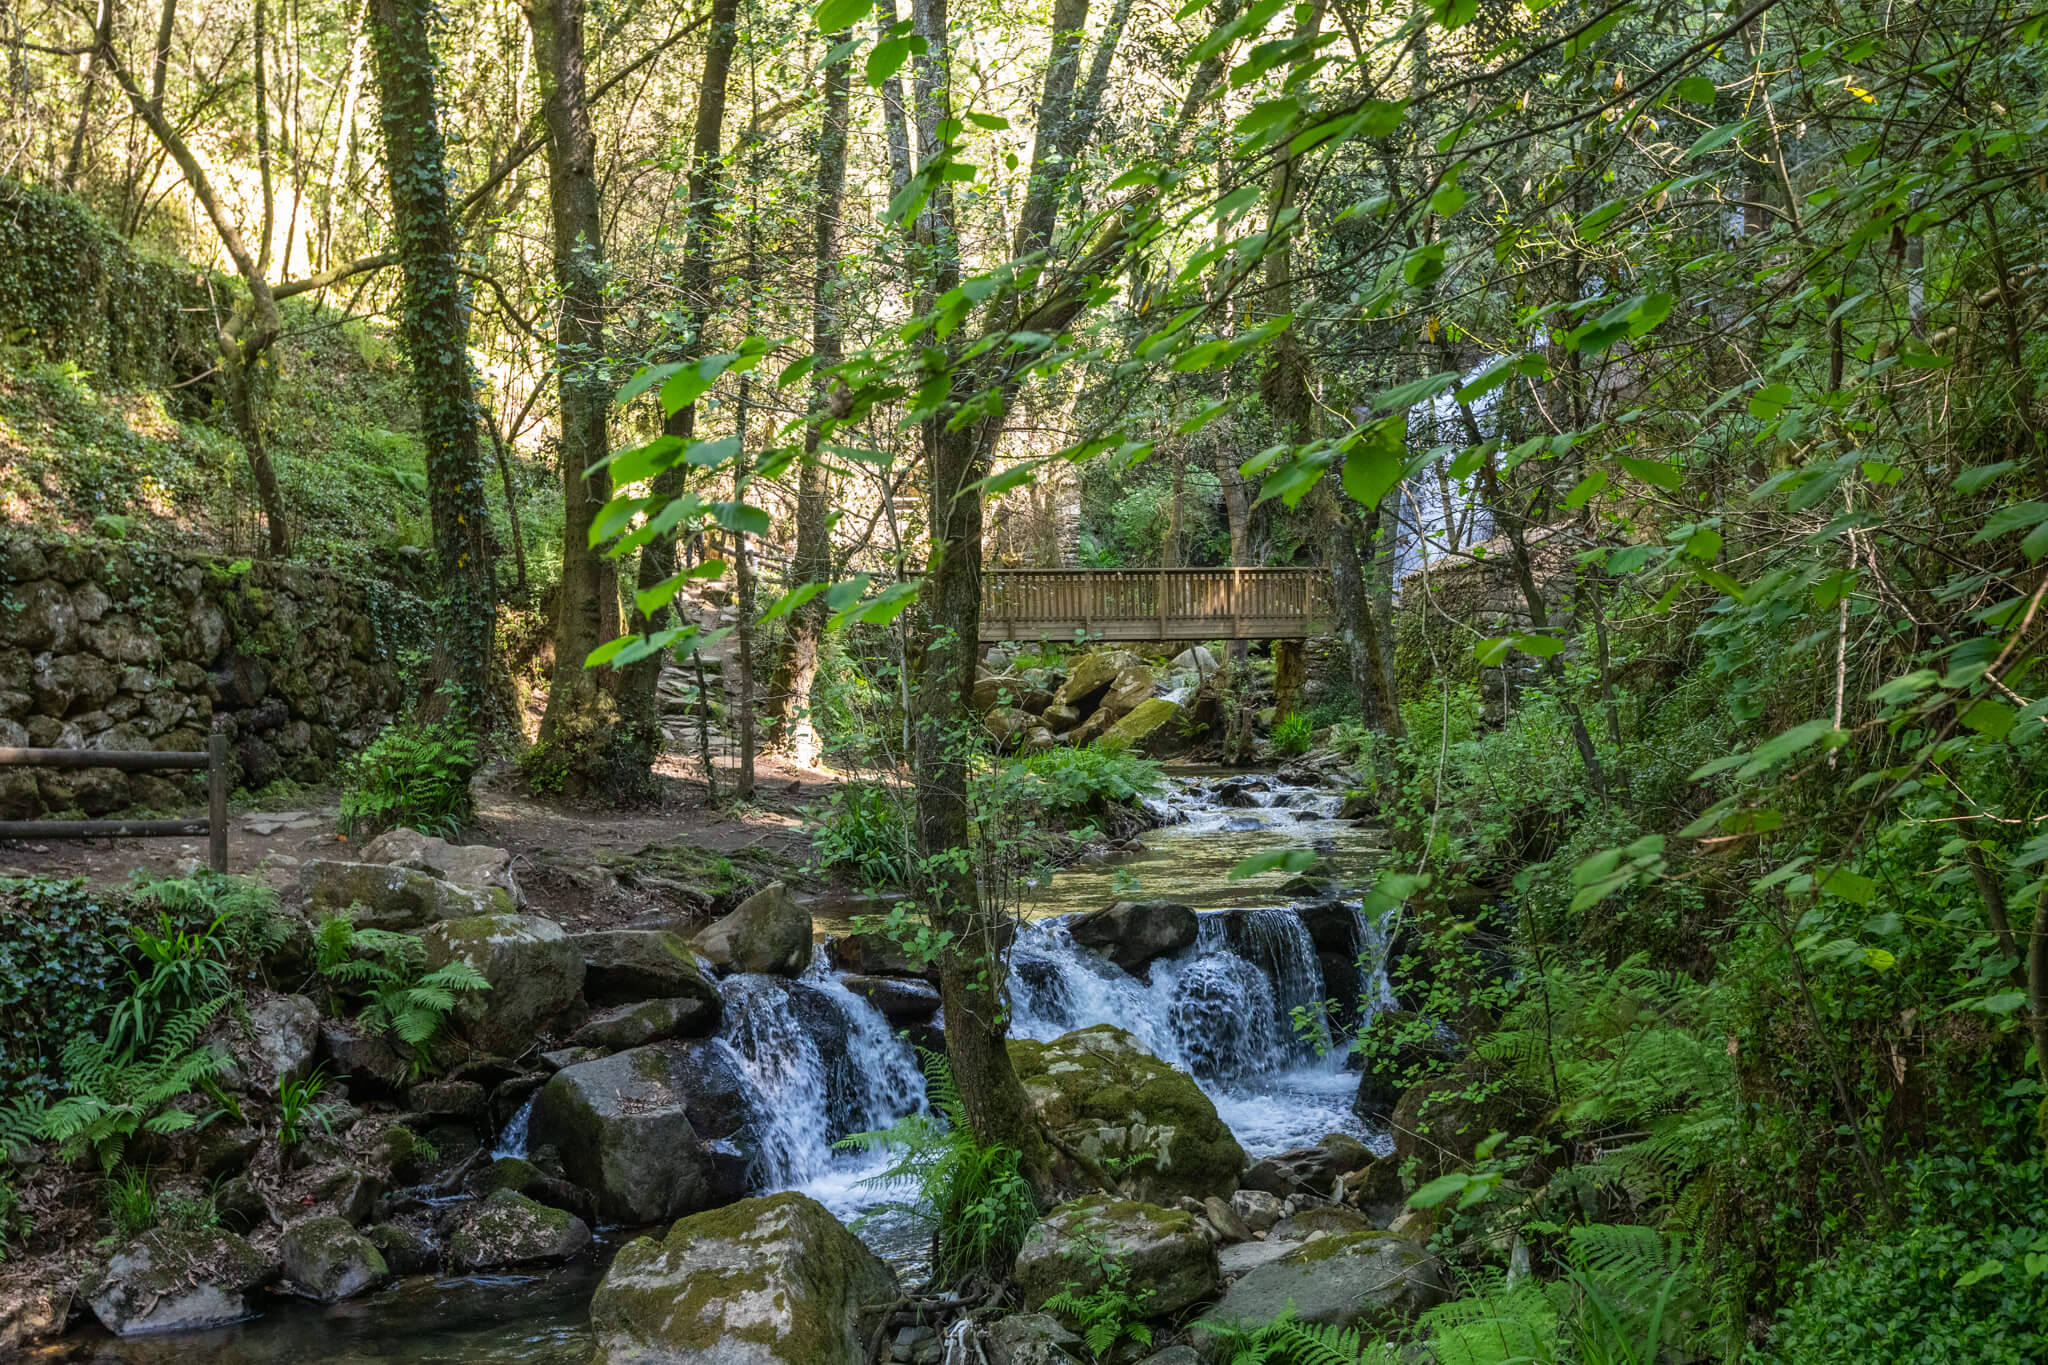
<point x="1153" y="604"/>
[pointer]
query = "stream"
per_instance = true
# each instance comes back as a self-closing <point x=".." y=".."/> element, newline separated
<point x="822" y="1061"/>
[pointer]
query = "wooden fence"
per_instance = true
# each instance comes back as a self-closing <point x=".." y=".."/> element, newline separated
<point x="214" y="826"/>
<point x="1153" y="604"/>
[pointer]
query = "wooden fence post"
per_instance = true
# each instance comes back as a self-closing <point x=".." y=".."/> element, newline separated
<point x="217" y="801"/>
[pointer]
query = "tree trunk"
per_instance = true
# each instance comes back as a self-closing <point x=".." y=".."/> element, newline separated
<point x="789" y="699"/>
<point x="637" y="701"/>
<point x="435" y="334"/>
<point x="590" y="749"/>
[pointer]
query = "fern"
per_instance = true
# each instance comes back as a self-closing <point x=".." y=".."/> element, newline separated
<point x="1287" y="1340"/>
<point x="115" y="1097"/>
<point x="385" y="968"/>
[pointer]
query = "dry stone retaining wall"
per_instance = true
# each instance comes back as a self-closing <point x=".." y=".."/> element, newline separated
<point x="105" y="645"/>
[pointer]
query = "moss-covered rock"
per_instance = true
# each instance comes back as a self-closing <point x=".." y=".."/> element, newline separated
<point x="473" y="867"/>
<point x="649" y="1021"/>
<point x="1117" y="1103"/>
<point x="396" y="898"/>
<point x="1169" y="1254"/>
<point x="1442" y="1119"/>
<point x="654" y="1132"/>
<point x="507" y="1228"/>
<point x="1151" y="727"/>
<point x="172" y="1280"/>
<point x="774" y="1281"/>
<point x="535" y="971"/>
<point x="622" y="966"/>
<point x="769" y="933"/>
<point x="326" y="1259"/>
<point x="1092" y="676"/>
<point x="1370" y="1279"/>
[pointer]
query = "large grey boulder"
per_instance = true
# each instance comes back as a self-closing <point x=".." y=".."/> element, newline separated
<point x="510" y="1229"/>
<point x="1092" y="677"/>
<point x="621" y="966"/>
<point x="284" y="1034"/>
<point x="1169" y="1254"/>
<point x="171" y="1280"/>
<point x="401" y="899"/>
<point x="1133" y="685"/>
<point x="648" y="1021"/>
<point x="899" y="998"/>
<point x="326" y="1259"/>
<point x="652" y="1133"/>
<point x="535" y="972"/>
<point x="1312" y="1171"/>
<point x="1373" y="1280"/>
<point x="474" y="867"/>
<point x="769" y="932"/>
<point x="1133" y="933"/>
<point x="1030" y="1339"/>
<point x="774" y="1281"/>
<point x="1118" y="1104"/>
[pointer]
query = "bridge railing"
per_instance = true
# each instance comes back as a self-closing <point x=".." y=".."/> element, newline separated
<point x="1152" y="604"/>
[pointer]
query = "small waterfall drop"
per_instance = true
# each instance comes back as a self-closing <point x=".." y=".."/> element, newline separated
<point x="513" y="1141"/>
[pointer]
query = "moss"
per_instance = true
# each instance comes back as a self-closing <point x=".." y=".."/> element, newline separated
<point x="1344" y="1244"/>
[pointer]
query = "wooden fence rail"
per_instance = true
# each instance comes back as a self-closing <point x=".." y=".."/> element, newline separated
<point x="214" y="826"/>
<point x="1153" y="604"/>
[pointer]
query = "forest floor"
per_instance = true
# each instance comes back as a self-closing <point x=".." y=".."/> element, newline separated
<point x="582" y="864"/>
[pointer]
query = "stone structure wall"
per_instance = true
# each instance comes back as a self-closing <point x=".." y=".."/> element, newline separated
<point x="107" y="645"/>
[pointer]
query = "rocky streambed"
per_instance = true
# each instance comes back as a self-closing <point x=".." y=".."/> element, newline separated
<point x="699" y="1066"/>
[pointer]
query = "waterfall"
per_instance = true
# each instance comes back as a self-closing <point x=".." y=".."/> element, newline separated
<point x="512" y="1142"/>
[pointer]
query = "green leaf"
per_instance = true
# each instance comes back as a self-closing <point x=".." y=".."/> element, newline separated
<point x="1449" y="196"/>
<point x="1766" y="403"/>
<point x="1438" y="1190"/>
<point x="2017" y="517"/>
<point x="1990" y="718"/>
<point x="1849" y="886"/>
<point x="1281" y="860"/>
<point x="1375" y="461"/>
<point x="1970" y="480"/>
<point x="738" y="516"/>
<point x="1695" y="90"/>
<point x="644" y="379"/>
<point x="834" y="15"/>
<point x="1665" y="476"/>
<point x="1584" y="490"/>
<point x="886" y="60"/>
<point x="1423" y="264"/>
<point x="1783" y="746"/>
<point x="994" y="123"/>
<point x="1716" y="137"/>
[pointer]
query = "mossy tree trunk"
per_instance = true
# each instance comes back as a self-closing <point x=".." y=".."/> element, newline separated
<point x="435" y="333"/>
<point x="585" y="742"/>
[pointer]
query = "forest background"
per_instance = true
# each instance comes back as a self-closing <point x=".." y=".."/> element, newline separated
<point x="1721" y="327"/>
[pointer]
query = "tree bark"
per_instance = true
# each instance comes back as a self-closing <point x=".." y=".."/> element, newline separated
<point x="591" y="750"/>
<point x="435" y="334"/>
<point x="102" y="36"/>
<point x="637" y="701"/>
<point x="788" y="708"/>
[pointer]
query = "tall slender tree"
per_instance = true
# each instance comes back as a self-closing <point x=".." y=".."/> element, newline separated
<point x="435" y="332"/>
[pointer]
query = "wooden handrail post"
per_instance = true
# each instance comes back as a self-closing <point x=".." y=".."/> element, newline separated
<point x="1164" y="576"/>
<point x="217" y="801"/>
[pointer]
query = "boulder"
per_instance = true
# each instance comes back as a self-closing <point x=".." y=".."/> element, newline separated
<point x="405" y="1250"/>
<point x="1371" y="1280"/>
<point x="621" y="966"/>
<point x="774" y="1281"/>
<point x="1151" y="727"/>
<point x="1008" y="724"/>
<point x="1259" y="1210"/>
<point x="1059" y="719"/>
<point x="41" y="616"/>
<point x="510" y="1229"/>
<point x="172" y="1280"/>
<point x="535" y="972"/>
<point x="1442" y="1119"/>
<point x="1092" y="677"/>
<point x="1133" y="686"/>
<point x="871" y="952"/>
<point x="66" y="684"/>
<point x="523" y="1177"/>
<point x="1225" y="1220"/>
<point x="361" y="1056"/>
<point x="1030" y="1339"/>
<point x="1168" y="1253"/>
<point x="652" y="1133"/>
<point x="898" y="998"/>
<point x="1133" y="933"/>
<point x="33" y="1308"/>
<point x="769" y="932"/>
<point x="1311" y="1171"/>
<point x="1196" y="659"/>
<point x="326" y="1259"/>
<point x="284" y="1034"/>
<point x="1003" y="690"/>
<point x="1113" y="1101"/>
<point x="474" y="867"/>
<point x="649" y="1021"/>
<point x="396" y="898"/>
<point x="446" y="1099"/>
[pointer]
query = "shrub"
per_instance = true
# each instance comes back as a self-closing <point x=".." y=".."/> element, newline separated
<point x="1077" y="781"/>
<point x="60" y="967"/>
<point x="116" y="1095"/>
<point x="1291" y="735"/>
<point x="862" y="829"/>
<point x="415" y="776"/>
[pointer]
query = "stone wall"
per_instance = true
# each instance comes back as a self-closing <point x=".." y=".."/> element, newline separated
<point x="107" y="645"/>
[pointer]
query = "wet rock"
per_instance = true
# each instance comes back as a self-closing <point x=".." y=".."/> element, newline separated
<point x="377" y="896"/>
<point x="1113" y="1101"/>
<point x="1372" y="1280"/>
<point x="348" y="1192"/>
<point x="1358" y="806"/>
<point x="523" y="1177"/>
<point x="406" y="1251"/>
<point x="873" y="953"/>
<point x="1030" y="1339"/>
<point x="1152" y="727"/>
<point x="326" y="1259"/>
<point x="33" y="1308"/>
<point x="535" y="971"/>
<point x="769" y="932"/>
<point x="1311" y="1171"/>
<point x="649" y="1021"/>
<point x="284" y="1035"/>
<point x="774" y="1281"/>
<point x="510" y="1229"/>
<point x="172" y="1280"/>
<point x="898" y="998"/>
<point x="652" y="1133"/>
<point x="621" y="966"/>
<point x="1182" y="1354"/>
<point x="474" y="867"/>
<point x="1169" y="1255"/>
<point x="446" y="1099"/>
<point x="1133" y="933"/>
